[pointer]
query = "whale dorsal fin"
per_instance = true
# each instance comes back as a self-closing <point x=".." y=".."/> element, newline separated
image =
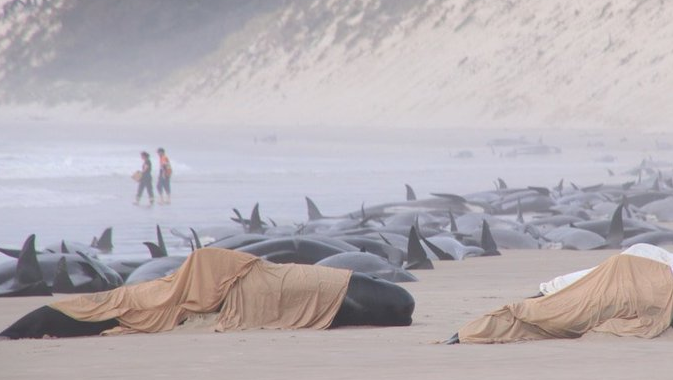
<point x="27" y="267"/>
<point x="487" y="242"/>
<point x="519" y="214"/>
<point x="104" y="242"/>
<point x="255" y="220"/>
<point x="454" y="225"/>
<point x="160" y="241"/>
<point x="313" y="211"/>
<point x="411" y="195"/>
<point x="616" y="231"/>
<point x="416" y="256"/>
<point x="62" y="281"/>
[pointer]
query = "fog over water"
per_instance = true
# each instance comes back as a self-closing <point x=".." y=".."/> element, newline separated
<point x="344" y="102"/>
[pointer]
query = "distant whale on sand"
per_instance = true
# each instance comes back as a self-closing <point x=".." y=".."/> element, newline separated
<point x="368" y="263"/>
<point x="34" y="274"/>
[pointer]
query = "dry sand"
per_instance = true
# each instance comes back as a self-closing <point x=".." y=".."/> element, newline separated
<point x="447" y="297"/>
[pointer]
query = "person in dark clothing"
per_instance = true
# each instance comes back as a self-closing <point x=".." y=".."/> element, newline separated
<point x="145" y="181"/>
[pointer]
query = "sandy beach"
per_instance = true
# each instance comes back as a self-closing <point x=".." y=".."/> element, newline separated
<point x="266" y="108"/>
<point x="447" y="297"/>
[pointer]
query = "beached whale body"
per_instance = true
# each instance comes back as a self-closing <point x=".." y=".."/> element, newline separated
<point x="392" y="254"/>
<point x="452" y="247"/>
<point x="239" y="240"/>
<point x="368" y="263"/>
<point x="159" y="265"/>
<point x="368" y="301"/>
<point x="99" y="245"/>
<point x="528" y="203"/>
<point x="662" y="209"/>
<point x="576" y="238"/>
<point x="297" y="250"/>
<point x="654" y="238"/>
<point x="208" y="235"/>
<point x="155" y="268"/>
<point x="34" y="274"/>
<point x="431" y="213"/>
<point x="468" y="223"/>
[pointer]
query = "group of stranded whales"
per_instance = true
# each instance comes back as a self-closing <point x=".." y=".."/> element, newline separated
<point x="386" y="241"/>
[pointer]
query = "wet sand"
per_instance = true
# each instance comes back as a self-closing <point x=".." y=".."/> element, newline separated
<point x="446" y="298"/>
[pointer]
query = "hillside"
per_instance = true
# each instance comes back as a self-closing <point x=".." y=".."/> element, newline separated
<point x="327" y="62"/>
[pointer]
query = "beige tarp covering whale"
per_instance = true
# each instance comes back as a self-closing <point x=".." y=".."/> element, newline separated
<point x="248" y="293"/>
<point x="625" y="295"/>
<point x="649" y="251"/>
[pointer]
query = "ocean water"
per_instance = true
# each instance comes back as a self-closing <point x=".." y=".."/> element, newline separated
<point x="73" y="186"/>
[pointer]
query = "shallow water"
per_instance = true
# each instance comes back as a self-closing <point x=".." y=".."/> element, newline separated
<point x="73" y="186"/>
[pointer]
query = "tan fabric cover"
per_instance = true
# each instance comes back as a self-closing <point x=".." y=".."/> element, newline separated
<point x="645" y="250"/>
<point x="253" y="293"/>
<point x="625" y="295"/>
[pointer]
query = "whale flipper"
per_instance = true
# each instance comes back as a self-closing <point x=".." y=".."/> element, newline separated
<point x="155" y="250"/>
<point x="197" y="242"/>
<point x="15" y="253"/>
<point x="438" y="251"/>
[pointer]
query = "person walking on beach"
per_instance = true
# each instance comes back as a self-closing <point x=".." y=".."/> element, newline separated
<point x="164" y="181"/>
<point x="145" y="181"/>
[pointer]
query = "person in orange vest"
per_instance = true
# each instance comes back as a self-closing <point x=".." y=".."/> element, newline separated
<point x="164" y="181"/>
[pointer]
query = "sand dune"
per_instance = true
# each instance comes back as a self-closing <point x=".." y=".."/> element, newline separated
<point x="315" y="63"/>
